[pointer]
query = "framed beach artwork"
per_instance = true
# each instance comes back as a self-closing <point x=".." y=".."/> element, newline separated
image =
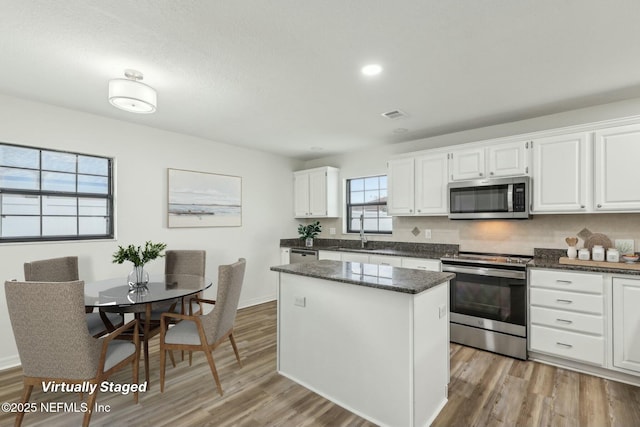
<point x="202" y="199"/>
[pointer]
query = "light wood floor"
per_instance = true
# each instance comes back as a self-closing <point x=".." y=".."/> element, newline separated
<point x="485" y="390"/>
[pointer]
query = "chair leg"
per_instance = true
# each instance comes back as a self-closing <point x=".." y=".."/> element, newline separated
<point x="26" y="394"/>
<point x="91" y="402"/>
<point x="235" y="348"/>
<point x="135" y="368"/>
<point x="163" y="361"/>
<point x="190" y="357"/>
<point x="212" y="365"/>
<point x="173" y="360"/>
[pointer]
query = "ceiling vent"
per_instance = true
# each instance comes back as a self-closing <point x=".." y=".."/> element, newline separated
<point x="395" y="114"/>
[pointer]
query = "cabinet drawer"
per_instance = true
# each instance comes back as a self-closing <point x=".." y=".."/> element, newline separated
<point x="385" y="260"/>
<point x="569" y="301"/>
<point x="567" y="344"/>
<point x="577" y="322"/>
<point x="567" y="281"/>
<point x="421" y="264"/>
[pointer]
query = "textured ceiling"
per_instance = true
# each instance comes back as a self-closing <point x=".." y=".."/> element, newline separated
<point x="283" y="75"/>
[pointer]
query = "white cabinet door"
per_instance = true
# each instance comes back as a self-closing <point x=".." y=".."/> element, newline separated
<point x="508" y="159"/>
<point x="431" y="184"/>
<point x="467" y="164"/>
<point x="616" y="155"/>
<point x="318" y="193"/>
<point x="315" y="193"/>
<point x="626" y="324"/>
<point x="421" y="264"/>
<point x="400" y="181"/>
<point x="560" y="177"/>
<point x="301" y="194"/>
<point x="284" y="255"/>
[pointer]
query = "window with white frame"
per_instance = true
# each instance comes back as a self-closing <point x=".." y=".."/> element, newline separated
<point x="54" y="195"/>
<point x="367" y="205"/>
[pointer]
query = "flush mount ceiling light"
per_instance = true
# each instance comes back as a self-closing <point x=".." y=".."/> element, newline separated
<point x="131" y="94"/>
<point x="371" y="70"/>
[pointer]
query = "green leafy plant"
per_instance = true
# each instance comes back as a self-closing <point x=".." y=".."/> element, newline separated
<point x="309" y="231"/>
<point x="137" y="255"/>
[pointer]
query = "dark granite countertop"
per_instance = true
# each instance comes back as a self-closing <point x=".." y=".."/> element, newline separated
<point x="549" y="258"/>
<point x="404" y="249"/>
<point x="385" y="277"/>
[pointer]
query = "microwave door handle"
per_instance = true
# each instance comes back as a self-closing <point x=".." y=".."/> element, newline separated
<point x="510" y="198"/>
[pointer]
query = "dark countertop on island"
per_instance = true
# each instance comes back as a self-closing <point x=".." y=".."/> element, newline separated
<point x="385" y="277"/>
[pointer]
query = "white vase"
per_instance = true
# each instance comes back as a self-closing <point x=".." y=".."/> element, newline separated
<point x="572" y="252"/>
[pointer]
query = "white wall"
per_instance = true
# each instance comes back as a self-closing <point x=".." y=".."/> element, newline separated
<point x="517" y="237"/>
<point x="142" y="156"/>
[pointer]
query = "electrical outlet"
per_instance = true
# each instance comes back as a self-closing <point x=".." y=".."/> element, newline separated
<point x="442" y="311"/>
<point x="300" y="301"/>
<point x="427" y="234"/>
<point x="332" y="231"/>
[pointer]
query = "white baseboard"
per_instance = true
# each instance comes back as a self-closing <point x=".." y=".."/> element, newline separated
<point x="9" y="362"/>
<point x="256" y="301"/>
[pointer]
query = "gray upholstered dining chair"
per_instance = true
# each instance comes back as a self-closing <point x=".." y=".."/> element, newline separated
<point x="65" y="269"/>
<point x="206" y="332"/>
<point x="182" y="262"/>
<point x="49" y="326"/>
<point x="186" y="262"/>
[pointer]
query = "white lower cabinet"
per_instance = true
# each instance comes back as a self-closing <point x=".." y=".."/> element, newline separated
<point x="331" y="255"/>
<point x="393" y="261"/>
<point x="421" y="264"/>
<point x="626" y="323"/>
<point x="355" y="257"/>
<point x="567" y="315"/>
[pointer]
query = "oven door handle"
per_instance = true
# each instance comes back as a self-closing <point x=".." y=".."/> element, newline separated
<point x="484" y="271"/>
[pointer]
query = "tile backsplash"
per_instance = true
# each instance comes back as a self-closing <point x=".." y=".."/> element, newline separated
<point x="504" y="236"/>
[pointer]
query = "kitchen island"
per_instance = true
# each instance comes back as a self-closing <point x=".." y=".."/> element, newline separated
<point x="373" y="339"/>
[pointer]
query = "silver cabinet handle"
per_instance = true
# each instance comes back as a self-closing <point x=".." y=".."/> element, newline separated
<point x="419" y="210"/>
<point x="566" y="282"/>
<point x="581" y="206"/>
<point x="481" y="173"/>
<point x="564" y="345"/>
<point x="490" y="173"/>
<point x="410" y="210"/>
<point x="599" y="205"/>
<point x="564" y="301"/>
<point x="567" y="322"/>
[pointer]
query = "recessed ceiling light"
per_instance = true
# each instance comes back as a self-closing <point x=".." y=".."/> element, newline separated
<point x="371" y="69"/>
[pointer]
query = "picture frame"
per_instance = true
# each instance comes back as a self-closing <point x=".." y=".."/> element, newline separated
<point x="203" y="199"/>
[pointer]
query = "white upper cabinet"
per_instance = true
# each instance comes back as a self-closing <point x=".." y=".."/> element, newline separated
<point x="492" y="161"/>
<point x="418" y="185"/>
<point x="316" y="193"/>
<point x="431" y="184"/>
<point x="561" y="178"/>
<point x="400" y="182"/>
<point x="508" y="159"/>
<point x="616" y="155"/>
<point x="468" y="164"/>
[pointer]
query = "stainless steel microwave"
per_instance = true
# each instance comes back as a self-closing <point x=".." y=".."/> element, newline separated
<point x="500" y="198"/>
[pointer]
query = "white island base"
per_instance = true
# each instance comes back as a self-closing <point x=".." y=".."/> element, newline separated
<point x="381" y="354"/>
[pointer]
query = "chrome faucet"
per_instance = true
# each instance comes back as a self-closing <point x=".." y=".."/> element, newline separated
<point x="363" y="238"/>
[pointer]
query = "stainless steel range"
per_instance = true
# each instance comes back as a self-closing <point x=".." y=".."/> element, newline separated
<point x="488" y="302"/>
